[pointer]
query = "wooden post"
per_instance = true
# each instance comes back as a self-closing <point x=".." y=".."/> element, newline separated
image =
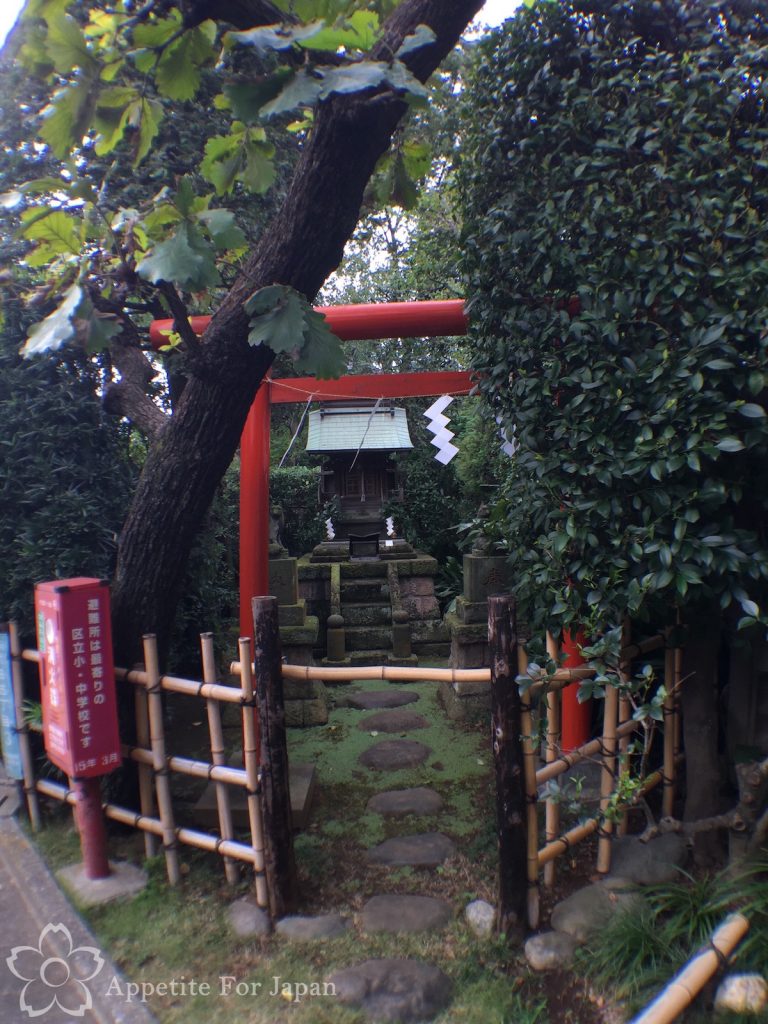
<point x="625" y="713"/>
<point x="146" y="789"/>
<point x="157" y="739"/>
<point x="668" y="792"/>
<point x="608" y="777"/>
<point x="251" y="758"/>
<point x="27" y="761"/>
<point x="279" y="860"/>
<point x="218" y="757"/>
<point x="551" y="750"/>
<point x="531" y="795"/>
<point x="509" y="767"/>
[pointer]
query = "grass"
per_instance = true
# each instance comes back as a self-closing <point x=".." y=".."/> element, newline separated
<point x="182" y="933"/>
<point x="638" y="953"/>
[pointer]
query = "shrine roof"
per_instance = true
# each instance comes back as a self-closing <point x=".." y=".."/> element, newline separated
<point x="347" y="429"/>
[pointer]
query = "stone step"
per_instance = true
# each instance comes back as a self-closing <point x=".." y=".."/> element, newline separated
<point x="368" y="700"/>
<point x="381" y="657"/>
<point x="368" y="638"/>
<point x="366" y="613"/>
<point x="399" y="914"/>
<point x="425" y="850"/>
<point x="303" y="787"/>
<point x="395" y="720"/>
<point x="396" y="803"/>
<point x="393" y="990"/>
<point x="392" y="755"/>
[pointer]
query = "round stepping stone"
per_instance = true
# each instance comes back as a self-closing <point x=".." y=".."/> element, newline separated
<point x="393" y="990"/>
<point x="302" y="929"/>
<point x="396" y="720"/>
<point x="246" y="918"/>
<point x="369" y="700"/>
<point x="397" y="802"/>
<point x="390" y="755"/>
<point x="405" y="914"/>
<point x="550" y="951"/>
<point x="428" y="849"/>
<point x="587" y="910"/>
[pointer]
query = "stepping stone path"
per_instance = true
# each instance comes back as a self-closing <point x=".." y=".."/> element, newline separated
<point x="426" y="850"/>
<point x="369" y="700"/>
<point x="396" y="720"/>
<point x="393" y="990"/>
<point x="391" y="755"/>
<point x="396" y="803"/>
<point x="405" y="914"/>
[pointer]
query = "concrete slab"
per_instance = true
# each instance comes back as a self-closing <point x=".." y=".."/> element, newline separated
<point x="125" y="881"/>
<point x="36" y="916"/>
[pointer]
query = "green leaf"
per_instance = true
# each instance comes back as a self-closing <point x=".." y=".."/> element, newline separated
<point x="259" y="171"/>
<point x="185" y="259"/>
<point x="111" y="117"/>
<point x="750" y="608"/>
<point x="57" y="328"/>
<point x="269" y="38"/>
<point x="152" y="34"/>
<point x="358" y="32"/>
<point x="277" y="319"/>
<point x="300" y="91"/>
<point x="730" y="444"/>
<point x="67" y="47"/>
<point x="179" y="67"/>
<point x="353" y="78"/>
<point x="247" y="98"/>
<point x="417" y="158"/>
<point x="752" y="410"/>
<point x="56" y="234"/>
<point x="322" y="353"/>
<point x="422" y="35"/>
<point x="145" y="115"/>
<point x="222" y="228"/>
<point x="68" y="117"/>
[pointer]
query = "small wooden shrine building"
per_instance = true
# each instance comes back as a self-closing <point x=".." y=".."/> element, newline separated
<point x="358" y="440"/>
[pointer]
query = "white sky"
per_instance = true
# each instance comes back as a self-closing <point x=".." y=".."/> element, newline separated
<point x="493" y="13"/>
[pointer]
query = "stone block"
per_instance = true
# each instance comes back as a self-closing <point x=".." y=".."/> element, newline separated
<point x="284" y="580"/>
<point x="417" y="586"/>
<point x="302" y="713"/>
<point x="421" y="607"/>
<point x="293" y="614"/>
<point x="485" y="575"/>
<point x="303" y="689"/>
<point x="470" y="612"/>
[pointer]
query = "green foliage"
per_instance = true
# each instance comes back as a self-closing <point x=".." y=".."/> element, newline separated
<point x="641" y="949"/>
<point x="616" y="187"/>
<point x="295" y="490"/>
<point x="66" y="474"/>
<point x="284" y="320"/>
<point x="113" y="80"/>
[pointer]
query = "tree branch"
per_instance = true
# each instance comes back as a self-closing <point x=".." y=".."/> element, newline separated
<point x="181" y="322"/>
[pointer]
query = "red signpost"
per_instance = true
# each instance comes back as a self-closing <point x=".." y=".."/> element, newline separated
<point x="80" y="728"/>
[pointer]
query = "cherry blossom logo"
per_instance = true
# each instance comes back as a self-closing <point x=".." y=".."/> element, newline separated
<point x="49" y="979"/>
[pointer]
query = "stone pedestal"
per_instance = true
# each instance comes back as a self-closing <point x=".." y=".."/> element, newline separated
<point x="484" y="575"/>
<point x="298" y="631"/>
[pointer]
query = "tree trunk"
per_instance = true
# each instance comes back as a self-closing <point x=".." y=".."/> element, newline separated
<point x="700" y="731"/>
<point x="301" y="247"/>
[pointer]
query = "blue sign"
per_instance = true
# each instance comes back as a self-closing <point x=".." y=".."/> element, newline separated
<point x="9" y="737"/>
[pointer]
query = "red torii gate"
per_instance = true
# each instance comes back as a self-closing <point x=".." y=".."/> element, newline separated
<point x="435" y="318"/>
<point x="430" y="319"/>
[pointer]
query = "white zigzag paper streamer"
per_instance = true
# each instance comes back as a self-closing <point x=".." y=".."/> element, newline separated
<point x="438" y="424"/>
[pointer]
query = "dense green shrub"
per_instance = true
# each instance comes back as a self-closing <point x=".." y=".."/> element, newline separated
<point x="616" y="192"/>
<point x="296" y="490"/>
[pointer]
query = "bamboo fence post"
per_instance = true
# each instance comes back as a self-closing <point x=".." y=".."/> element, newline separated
<point x="687" y="983"/>
<point x="625" y="713"/>
<point x="531" y="795"/>
<point x="231" y="870"/>
<point x="22" y="728"/>
<point x="508" y="765"/>
<point x="607" y="778"/>
<point x="157" y="739"/>
<point x="552" y="808"/>
<point x="279" y="858"/>
<point x="146" y="789"/>
<point x="668" y="710"/>
<point x="251" y="759"/>
<point x="678" y="720"/>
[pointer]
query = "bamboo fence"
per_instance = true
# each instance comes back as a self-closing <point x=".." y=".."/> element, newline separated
<point x="686" y="985"/>
<point x="156" y="816"/>
<point x="155" y="765"/>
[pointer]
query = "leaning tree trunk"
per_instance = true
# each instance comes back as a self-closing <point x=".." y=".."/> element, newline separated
<point x="300" y="248"/>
